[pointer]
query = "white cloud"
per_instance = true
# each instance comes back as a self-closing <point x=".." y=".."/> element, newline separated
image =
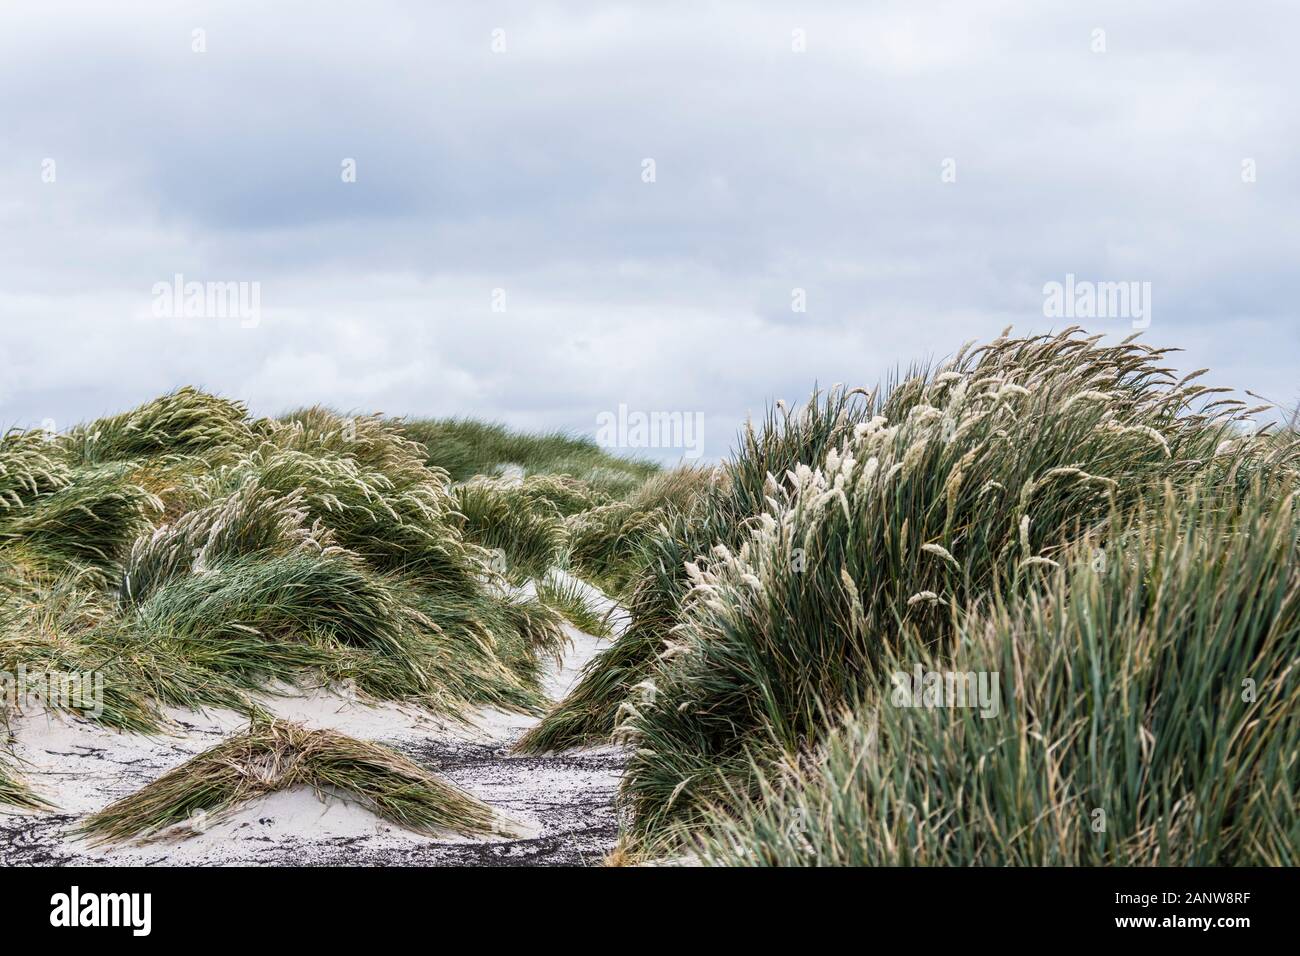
<point x="521" y="170"/>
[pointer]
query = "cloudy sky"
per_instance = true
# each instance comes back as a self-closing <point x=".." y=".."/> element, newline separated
<point x="919" y="170"/>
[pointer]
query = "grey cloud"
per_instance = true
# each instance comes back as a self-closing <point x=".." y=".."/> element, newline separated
<point x="521" y="171"/>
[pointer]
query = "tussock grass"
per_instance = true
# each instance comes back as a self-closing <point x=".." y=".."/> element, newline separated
<point x="250" y="521"/>
<point x="193" y="556"/>
<point x="400" y="520"/>
<point x="1150" y="712"/>
<point x="257" y="621"/>
<point x="543" y="521"/>
<point x="29" y="469"/>
<point x="186" y="421"/>
<point x="706" y="509"/>
<point x="963" y="485"/>
<point x="465" y="448"/>
<point x="276" y="755"/>
<point x="555" y="494"/>
<point x="574" y="602"/>
<point x="372" y="441"/>
<point x="525" y="533"/>
<point x="15" y="793"/>
<point x="281" y="599"/>
<point x="86" y="524"/>
<point x="62" y="628"/>
<point x="608" y="544"/>
<point x="869" y="521"/>
<point x="527" y="633"/>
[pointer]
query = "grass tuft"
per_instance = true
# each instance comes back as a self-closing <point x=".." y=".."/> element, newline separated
<point x="1148" y="713"/>
<point x="870" y="521"/>
<point x="186" y="421"/>
<point x="575" y="602"/>
<point x="465" y="448"/>
<point x="275" y="755"/>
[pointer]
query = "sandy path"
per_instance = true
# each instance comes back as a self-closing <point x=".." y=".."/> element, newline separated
<point x="564" y="803"/>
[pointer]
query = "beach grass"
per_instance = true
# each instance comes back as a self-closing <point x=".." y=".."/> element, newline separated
<point x="275" y="755"/>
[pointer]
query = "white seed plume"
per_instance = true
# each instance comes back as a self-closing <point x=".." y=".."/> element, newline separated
<point x="1091" y="395"/>
<point x="1072" y="471"/>
<point x="942" y="552"/>
<point x="648" y="691"/>
<point x="674" y="650"/>
<point x="1146" y="430"/>
<point x="694" y="573"/>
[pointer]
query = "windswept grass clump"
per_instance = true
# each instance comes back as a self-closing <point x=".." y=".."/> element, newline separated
<point x="701" y="510"/>
<point x="543" y="521"/>
<point x="15" y="793"/>
<point x="85" y="525"/>
<point x="573" y="600"/>
<point x="65" y="627"/>
<point x="29" y="469"/>
<point x="280" y="599"/>
<point x="608" y="543"/>
<point x="255" y="587"/>
<point x="964" y="485"/>
<point x="371" y="440"/>
<point x="251" y="521"/>
<point x="556" y="494"/>
<point x="276" y="755"/>
<point x="524" y="533"/>
<point x="874" y="521"/>
<point x="193" y="557"/>
<point x="465" y="448"/>
<point x="185" y="422"/>
<point x="400" y="520"/>
<point x="1147" y="714"/>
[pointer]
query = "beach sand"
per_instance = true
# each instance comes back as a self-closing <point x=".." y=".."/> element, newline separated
<point x="562" y="803"/>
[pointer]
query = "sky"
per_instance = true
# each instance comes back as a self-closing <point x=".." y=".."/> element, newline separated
<point x="541" y="213"/>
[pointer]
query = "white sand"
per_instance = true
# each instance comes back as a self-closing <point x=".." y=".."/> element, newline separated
<point x="81" y="768"/>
